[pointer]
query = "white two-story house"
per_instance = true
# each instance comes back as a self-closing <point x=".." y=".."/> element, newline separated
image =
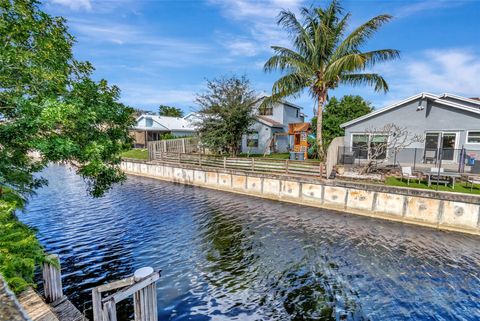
<point x="269" y="134"/>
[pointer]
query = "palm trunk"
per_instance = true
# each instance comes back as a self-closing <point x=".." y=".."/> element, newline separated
<point x="321" y="102"/>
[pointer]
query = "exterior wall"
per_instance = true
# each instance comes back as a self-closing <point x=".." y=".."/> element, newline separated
<point x="264" y="134"/>
<point x="448" y="211"/>
<point x="434" y="117"/>
<point x="182" y="133"/>
<point x="282" y="113"/>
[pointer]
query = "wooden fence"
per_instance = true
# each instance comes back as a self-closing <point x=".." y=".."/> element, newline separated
<point x="179" y="145"/>
<point x="266" y="165"/>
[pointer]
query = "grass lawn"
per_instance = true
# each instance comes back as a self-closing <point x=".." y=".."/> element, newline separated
<point x="138" y="153"/>
<point x="459" y="186"/>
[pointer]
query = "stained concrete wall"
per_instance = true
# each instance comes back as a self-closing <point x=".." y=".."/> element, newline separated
<point x="448" y="211"/>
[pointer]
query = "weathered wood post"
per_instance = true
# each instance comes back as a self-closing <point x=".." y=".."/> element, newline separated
<point x="141" y="285"/>
<point x="253" y="164"/>
<point x="286" y="166"/>
<point x="145" y="299"/>
<point x="52" y="280"/>
<point x="184" y="147"/>
<point x="224" y="162"/>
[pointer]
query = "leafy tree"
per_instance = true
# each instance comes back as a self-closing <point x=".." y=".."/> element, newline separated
<point x="170" y="111"/>
<point x="324" y="57"/>
<point x="49" y="105"/>
<point x="226" y="113"/>
<point x="337" y="112"/>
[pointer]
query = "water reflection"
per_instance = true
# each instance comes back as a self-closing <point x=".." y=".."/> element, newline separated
<point x="225" y="256"/>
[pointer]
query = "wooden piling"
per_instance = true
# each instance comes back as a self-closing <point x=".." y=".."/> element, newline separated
<point x="52" y="280"/>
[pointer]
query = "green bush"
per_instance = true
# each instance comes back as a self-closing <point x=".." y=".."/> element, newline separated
<point x="20" y="251"/>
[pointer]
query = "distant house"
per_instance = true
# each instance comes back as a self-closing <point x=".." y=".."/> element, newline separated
<point x="270" y="131"/>
<point x="447" y="122"/>
<point x="150" y="128"/>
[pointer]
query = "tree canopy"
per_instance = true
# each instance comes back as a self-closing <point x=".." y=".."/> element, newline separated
<point x="226" y="113"/>
<point x="50" y="105"/>
<point x="337" y="112"/>
<point x="324" y="56"/>
<point x="170" y="111"/>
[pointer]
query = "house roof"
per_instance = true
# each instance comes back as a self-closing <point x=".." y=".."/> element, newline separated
<point x="282" y="101"/>
<point x="167" y="123"/>
<point x="468" y="100"/>
<point x="423" y="95"/>
<point x="268" y="121"/>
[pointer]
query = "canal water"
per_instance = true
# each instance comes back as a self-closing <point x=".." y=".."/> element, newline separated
<point x="232" y="257"/>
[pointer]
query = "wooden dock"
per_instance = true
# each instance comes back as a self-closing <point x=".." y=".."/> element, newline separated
<point x="38" y="310"/>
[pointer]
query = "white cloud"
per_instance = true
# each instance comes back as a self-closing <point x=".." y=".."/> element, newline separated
<point x="147" y="95"/>
<point x="259" y="19"/>
<point x="422" y="6"/>
<point x="74" y="4"/>
<point x="436" y="71"/>
<point x="243" y="48"/>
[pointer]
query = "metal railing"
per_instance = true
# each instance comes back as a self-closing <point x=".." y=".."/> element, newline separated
<point x="461" y="160"/>
<point x="265" y="165"/>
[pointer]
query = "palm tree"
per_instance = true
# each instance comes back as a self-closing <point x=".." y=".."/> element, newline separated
<point x="324" y="58"/>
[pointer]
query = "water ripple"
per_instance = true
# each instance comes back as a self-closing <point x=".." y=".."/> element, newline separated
<point x="232" y="257"/>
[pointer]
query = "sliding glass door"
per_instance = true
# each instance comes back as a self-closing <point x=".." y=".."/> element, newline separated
<point x="440" y="145"/>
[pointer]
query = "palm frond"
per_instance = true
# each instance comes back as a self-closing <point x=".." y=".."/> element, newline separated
<point x="287" y="59"/>
<point x="290" y="85"/>
<point x="360" y="35"/>
<point x="359" y="61"/>
<point x="370" y="79"/>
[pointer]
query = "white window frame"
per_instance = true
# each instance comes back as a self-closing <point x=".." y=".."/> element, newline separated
<point x="468" y="133"/>
<point x="369" y="140"/>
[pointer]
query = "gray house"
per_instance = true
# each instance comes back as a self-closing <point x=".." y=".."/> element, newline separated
<point x="269" y="133"/>
<point x="448" y="124"/>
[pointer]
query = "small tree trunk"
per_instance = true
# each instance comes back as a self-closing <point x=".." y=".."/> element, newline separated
<point x="321" y="100"/>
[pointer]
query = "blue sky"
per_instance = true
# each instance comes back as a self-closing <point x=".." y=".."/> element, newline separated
<point x="161" y="52"/>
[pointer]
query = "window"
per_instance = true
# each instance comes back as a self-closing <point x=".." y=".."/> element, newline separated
<point x="473" y="137"/>
<point x="266" y="111"/>
<point x="148" y="122"/>
<point x="363" y="144"/>
<point x="252" y="139"/>
<point x="378" y="146"/>
<point x="297" y="113"/>
<point x="360" y="145"/>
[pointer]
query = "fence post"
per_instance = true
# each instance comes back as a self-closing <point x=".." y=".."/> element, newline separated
<point x="286" y="166"/>
<point x="164" y="146"/>
<point x="321" y="169"/>
<point x="184" y="149"/>
<point x="199" y="159"/>
<point x="253" y="164"/>
<point x="52" y="280"/>
<point x="224" y="162"/>
<point x="179" y="157"/>
<point x="415" y="158"/>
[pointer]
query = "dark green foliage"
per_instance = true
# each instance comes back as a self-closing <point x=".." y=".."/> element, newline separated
<point x="20" y="250"/>
<point x="170" y="111"/>
<point x="49" y="104"/>
<point x="226" y="112"/>
<point x="337" y="112"/>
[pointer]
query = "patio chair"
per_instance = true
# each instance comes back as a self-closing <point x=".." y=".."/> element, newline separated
<point x="407" y="173"/>
<point x="430" y="156"/>
<point x="473" y="180"/>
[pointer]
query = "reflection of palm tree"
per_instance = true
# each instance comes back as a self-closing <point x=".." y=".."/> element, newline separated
<point x="314" y="295"/>
<point x="229" y="252"/>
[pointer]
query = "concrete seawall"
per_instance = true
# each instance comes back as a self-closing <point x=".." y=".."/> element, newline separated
<point x="447" y="211"/>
